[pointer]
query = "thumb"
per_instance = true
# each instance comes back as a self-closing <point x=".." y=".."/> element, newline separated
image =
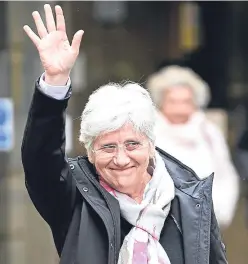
<point x="77" y="40"/>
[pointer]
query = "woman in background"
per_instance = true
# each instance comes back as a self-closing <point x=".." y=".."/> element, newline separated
<point x="184" y="131"/>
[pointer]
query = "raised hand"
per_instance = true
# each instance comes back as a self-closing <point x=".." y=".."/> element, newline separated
<point x="56" y="54"/>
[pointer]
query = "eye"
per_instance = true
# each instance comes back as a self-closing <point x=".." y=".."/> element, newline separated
<point x="109" y="148"/>
<point x="132" y="145"/>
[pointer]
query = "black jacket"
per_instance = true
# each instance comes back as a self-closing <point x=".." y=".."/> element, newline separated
<point x="85" y="219"/>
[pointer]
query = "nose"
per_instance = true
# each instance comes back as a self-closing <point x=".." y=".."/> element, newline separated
<point x="121" y="159"/>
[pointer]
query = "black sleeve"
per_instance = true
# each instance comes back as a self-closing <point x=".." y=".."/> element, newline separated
<point x="217" y="247"/>
<point x="47" y="174"/>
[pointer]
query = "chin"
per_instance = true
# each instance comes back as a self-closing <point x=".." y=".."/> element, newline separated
<point x="123" y="185"/>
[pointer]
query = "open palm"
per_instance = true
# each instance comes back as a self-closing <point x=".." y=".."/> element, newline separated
<point x="56" y="54"/>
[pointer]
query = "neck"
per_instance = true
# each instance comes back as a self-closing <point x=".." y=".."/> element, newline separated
<point x="137" y="195"/>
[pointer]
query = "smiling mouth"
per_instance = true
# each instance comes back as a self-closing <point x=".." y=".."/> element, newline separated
<point x="123" y="169"/>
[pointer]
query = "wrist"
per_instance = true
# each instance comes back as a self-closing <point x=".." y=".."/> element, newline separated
<point x="56" y="80"/>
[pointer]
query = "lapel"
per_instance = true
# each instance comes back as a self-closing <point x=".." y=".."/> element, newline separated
<point x="195" y="204"/>
<point x="104" y="204"/>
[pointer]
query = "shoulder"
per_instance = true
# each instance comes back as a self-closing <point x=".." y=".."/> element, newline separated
<point x="185" y="179"/>
<point x="82" y="162"/>
<point x="213" y="128"/>
<point x="172" y="163"/>
<point x="82" y="167"/>
<point x="216" y="123"/>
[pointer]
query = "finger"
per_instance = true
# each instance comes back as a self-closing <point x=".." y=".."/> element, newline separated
<point x="76" y="41"/>
<point x="60" y="19"/>
<point x="39" y="25"/>
<point x="32" y="35"/>
<point x="49" y="18"/>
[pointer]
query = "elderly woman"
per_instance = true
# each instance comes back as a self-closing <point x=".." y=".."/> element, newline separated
<point x="126" y="202"/>
<point x="184" y="131"/>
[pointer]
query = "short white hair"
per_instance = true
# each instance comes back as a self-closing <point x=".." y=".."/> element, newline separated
<point x="171" y="76"/>
<point x="113" y="105"/>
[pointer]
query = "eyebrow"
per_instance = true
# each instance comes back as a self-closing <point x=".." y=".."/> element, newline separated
<point x="126" y="141"/>
<point x="108" y="144"/>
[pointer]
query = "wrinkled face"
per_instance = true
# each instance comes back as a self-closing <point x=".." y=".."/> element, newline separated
<point x="123" y="167"/>
<point x="178" y="104"/>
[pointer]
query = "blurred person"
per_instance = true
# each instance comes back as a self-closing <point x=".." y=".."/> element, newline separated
<point x="126" y="201"/>
<point x="184" y="131"/>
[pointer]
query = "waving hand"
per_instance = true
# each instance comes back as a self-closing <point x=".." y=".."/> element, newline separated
<point x="57" y="55"/>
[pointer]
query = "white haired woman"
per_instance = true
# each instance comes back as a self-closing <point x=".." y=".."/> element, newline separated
<point x="126" y="202"/>
<point x="184" y="131"/>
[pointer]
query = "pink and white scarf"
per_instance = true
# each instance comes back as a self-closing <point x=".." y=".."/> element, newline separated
<point x="141" y="245"/>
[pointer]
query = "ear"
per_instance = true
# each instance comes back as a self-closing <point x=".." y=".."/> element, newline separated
<point x="152" y="151"/>
<point x="90" y="157"/>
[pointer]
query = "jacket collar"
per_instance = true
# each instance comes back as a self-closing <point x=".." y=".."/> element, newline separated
<point x="185" y="179"/>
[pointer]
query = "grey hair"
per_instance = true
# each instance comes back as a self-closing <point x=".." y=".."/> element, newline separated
<point x="175" y="75"/>
<point x="113" y="105"/>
